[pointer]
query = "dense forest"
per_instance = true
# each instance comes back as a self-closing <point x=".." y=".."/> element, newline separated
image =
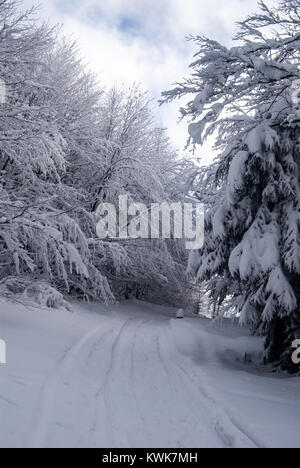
<point x="67" y="145"/>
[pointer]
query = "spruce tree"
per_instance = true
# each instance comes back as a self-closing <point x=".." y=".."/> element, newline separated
<point x="247" y="97"/>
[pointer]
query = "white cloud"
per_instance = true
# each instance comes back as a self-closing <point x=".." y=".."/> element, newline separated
<point x="143" y="40"/>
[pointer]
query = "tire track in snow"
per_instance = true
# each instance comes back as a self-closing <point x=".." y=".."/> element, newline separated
<point x="132" y="375"/>
<point x="227" y="414"/>
<point x="178" y="416"/>
<point x="47" y="398"/>
<point x="95" y="346"/>
<point x="124" y="364"/>
<point x="227" y="439"/>
<point x="222" y="416"/>
<point x="104" y="389"/>
<point x="199" y="408"/>
<point x="163" y="409"/>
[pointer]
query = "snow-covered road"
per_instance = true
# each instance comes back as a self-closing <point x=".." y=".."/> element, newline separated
<point x="136" y="377"/>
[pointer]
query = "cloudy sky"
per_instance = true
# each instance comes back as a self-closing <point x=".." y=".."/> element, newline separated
<point x="127" y="41"/>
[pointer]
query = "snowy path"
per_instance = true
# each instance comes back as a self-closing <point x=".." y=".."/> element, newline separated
<point x="135" y="377"/>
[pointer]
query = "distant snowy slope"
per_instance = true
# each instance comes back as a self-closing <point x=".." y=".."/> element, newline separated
<point x="134" y="376"/>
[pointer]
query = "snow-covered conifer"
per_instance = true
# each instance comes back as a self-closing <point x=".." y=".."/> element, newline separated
<point x="245" y="96"/>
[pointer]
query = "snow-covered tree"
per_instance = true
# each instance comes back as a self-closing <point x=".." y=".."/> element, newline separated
<point x="41" y="230"/>
<point x="246" y="96"/>
<point x="140" y="163"/>
<point x="66" y="146"/>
